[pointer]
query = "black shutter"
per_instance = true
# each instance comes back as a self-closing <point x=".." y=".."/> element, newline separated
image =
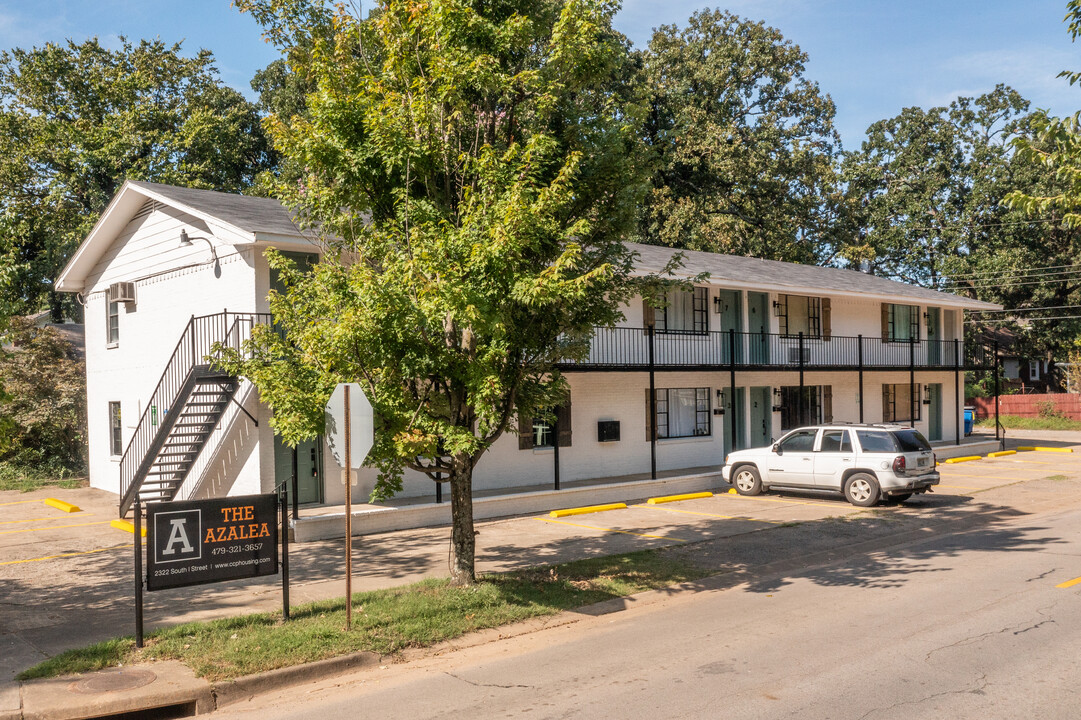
<point x="649" y="418"/>
<point x="827" y="403"/>
<point x="563" y="423"/>
<point x="827" y="320"/>
<point x="525" y="432"/>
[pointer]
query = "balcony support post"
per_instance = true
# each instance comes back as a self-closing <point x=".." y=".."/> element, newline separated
<point x="998" y="426"/>
<point x="652" y="411"/>
<point x="555" y="451"/>
<point x="732" y="386"/>
<point x="958" y="415"/>
<point x="799" y="396"/>
<point x="912" y="399"/>
<point x="859" y="356"/>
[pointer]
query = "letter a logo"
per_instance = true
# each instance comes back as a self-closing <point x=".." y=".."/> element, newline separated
<point x="177" y="535"/>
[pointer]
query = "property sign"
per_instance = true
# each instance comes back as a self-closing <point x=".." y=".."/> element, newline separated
<point x="203" y="541"/>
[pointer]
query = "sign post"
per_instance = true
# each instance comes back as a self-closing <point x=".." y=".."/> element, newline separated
<point x="350" y="433"/>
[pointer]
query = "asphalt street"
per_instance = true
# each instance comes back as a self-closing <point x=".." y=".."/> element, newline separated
<point x="972" y="624"/>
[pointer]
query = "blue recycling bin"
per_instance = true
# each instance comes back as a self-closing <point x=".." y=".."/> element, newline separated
<point x="970" y="420"/>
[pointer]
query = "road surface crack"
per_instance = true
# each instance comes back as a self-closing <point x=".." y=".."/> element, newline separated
<point x="487" y="685"/>
<point x="1012" y="629"/>
<point x="981" y="683"/>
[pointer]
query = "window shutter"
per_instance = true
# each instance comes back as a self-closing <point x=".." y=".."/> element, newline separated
<point x="827" y="320"/>
<point x="827" y="403"/>
<point x="914" y="323"/>
<point x="917" y="403"/>
<point x="887" y="416"/>
<point x="649" y="318"/>
<point x="563" y="423"/>
<point x="885" y="323"/>
<point x="649" y="418"/>
<point x="525" y="432"/>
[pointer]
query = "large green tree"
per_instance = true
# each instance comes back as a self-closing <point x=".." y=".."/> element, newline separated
<point x="743" y="144"/>
<point x="472" y="170"/>
<point x="77" y="119"/>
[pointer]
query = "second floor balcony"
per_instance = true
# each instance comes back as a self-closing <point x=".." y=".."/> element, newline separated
<point x="624" y="348"/>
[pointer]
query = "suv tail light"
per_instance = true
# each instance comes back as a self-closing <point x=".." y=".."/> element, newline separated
<point x="899" y="464"/>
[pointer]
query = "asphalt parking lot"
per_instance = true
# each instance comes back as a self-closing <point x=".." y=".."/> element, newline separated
<point x="66" y="578"/>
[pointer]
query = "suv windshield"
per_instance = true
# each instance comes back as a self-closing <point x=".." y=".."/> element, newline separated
<point x="911" y="441"/>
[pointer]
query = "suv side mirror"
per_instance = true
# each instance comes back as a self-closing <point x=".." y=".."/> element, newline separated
<point x="777" y="448"/>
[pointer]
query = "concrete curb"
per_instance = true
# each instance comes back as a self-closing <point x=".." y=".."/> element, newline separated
<point x="247" y="687"/>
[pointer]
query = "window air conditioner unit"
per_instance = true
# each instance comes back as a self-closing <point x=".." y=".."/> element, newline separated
<point x="123" y="292"/>
<point x="794" y="355"/>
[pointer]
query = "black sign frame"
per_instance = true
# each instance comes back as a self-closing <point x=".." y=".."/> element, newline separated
<point x="196" y="542"/>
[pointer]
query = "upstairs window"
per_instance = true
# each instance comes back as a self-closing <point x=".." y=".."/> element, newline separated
<point x="684" y="312"/>
<point x="112" y="323"/>
<point x="900" y="323"/>
<point x="803" y="314"/>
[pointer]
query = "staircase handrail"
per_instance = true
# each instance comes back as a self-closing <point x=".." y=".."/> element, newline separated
<point x="196" y="342"/>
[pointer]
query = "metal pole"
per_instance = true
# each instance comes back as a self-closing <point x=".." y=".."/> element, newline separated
<point x="138" y="573"/>
<point x="912" y="382"/>
<point x="296" y="484"/>
<point x="439" y="487"/>
<point x="348" y="518"/>
<point x="652" y="411"/>
<point x="555" y="449"/>
<point x="998" y="426"/>
<point x="732" y="385"/>
<point x="959" y="416"/>
<point x="285" y="553"/>
<point x="859" y="354"/>
<point x="799" y="397"/>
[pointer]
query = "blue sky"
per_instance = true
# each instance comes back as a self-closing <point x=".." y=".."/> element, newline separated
<point x="874" y="57"/>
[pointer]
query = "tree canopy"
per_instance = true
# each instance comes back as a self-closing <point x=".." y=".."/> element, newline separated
<point x="743" y="143"/>
<point x="472" y="170"/>
<point x="77" y="119"/>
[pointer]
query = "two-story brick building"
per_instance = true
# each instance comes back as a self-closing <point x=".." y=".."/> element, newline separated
<point x="760" y="347"/>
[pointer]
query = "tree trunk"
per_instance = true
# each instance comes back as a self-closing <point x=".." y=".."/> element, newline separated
<point x="463" y="539"/>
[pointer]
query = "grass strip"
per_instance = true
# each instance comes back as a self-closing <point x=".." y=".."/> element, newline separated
<point x="384" y="621"/>
<point x="1017" y="422"/>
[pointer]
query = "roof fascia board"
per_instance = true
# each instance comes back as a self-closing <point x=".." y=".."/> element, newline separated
<point x="280" y="240"/>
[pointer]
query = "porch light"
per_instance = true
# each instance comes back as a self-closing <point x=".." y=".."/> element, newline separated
<point x="717" y="304"/>
<point x="776" y="400"/>
<point x="777" y="308"/>
<point x="185" y="241"/>
<point x="926" y="394"/>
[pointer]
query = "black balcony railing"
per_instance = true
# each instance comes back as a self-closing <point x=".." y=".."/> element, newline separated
<point x="624" y="348"/>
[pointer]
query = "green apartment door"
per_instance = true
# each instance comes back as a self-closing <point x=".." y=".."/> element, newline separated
<point x="733" y="416"/>
<point x="934" y="336"/>
<point x="309" y="455"/>
<point x="761" y="416"/>
<point x="731" y="319"/>
<point x="758" y="327"/>
<point x="934" y="412"/>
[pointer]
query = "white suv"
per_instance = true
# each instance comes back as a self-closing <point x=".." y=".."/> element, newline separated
<point x="865" y="462"/>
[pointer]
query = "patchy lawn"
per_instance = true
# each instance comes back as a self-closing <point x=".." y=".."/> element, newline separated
<point x="23" y="479"/>
<point x="384" y="621"/>
<point x="1017" y="422"/>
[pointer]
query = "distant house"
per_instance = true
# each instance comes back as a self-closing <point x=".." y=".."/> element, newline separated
<point x="759" y="348"/>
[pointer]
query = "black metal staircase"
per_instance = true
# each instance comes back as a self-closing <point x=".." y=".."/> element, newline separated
<point x="179" y="419"/>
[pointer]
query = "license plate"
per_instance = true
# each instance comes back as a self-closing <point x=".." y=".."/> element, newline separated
<point x="923" y="462"/>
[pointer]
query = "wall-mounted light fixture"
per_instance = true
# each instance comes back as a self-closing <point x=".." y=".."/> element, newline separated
<point x="717" y="304"/>
<point x="926" y="394"/>
<point x="777" y="400"/>
<point x="777" y="308"/>
<point x="185" y="241"/>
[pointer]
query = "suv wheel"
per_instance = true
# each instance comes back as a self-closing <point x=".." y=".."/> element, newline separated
<point x="862" y="490"/>
<point x="747" y="480"/>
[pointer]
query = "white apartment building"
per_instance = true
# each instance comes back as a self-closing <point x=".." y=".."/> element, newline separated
<point x="759" y="348"/>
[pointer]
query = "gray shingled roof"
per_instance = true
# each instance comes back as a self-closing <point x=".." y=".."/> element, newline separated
<point x="267" y="215"/>
<point x="774" y="274"/>
<point x="251" y="214"/>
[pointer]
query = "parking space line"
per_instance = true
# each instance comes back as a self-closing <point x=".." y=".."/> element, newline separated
<point x="757" y="498"/>
<point x="1069" y="583"/>
<point x="51" y="517"/>
<point x="52" y="527"/>
<point x="20" y="502"/>
<point x="65" y="555"/>
<point x="613" y="530"/>
<point x="713" y="515"/>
